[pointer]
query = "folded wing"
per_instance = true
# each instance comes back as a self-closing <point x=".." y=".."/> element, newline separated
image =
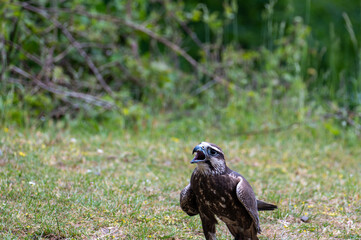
<point x="188" y="201"/>
<point x="247" y="197"/>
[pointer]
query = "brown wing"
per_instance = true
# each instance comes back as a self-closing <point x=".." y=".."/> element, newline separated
<point x="188" y="201"/>
<point x="247" y="197"/>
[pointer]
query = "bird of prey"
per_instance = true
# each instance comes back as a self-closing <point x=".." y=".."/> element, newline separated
<point x="216" y="190"/>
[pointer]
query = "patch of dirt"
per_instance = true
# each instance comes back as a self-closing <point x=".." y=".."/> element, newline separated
<point x="53" y="237"/>
<point x="107" y="232"/>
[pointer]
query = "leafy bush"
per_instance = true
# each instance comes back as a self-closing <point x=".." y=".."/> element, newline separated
<point x="244" y="64"/>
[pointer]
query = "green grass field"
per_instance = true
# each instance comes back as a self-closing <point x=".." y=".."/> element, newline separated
<point x="110" y="186"/>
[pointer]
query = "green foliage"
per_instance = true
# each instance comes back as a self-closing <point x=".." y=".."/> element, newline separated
<point x="278" y="63"/>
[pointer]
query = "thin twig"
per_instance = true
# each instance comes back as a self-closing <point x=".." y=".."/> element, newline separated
<point x="49" y="64"/>
<point x="129" y="75"/>
<point x="56" y="90"/>
<point x="206" y="86"/>
<point x="3" y="58"/>
<point x="62" y="55"/>
<point x="27" y="54"/>
<point x="12" y="37"/>
<point x="190" y="33"/>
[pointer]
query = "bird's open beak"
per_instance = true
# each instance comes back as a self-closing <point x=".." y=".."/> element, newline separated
<point x="200" y="155"/>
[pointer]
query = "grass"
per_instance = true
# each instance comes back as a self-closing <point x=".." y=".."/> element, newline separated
<point x="66" y="184"/>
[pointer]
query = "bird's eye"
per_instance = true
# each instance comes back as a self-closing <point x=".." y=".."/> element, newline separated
<point x="211" y="151"/>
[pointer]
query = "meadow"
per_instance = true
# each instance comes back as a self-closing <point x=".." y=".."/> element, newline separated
<point x="66" y="184"/>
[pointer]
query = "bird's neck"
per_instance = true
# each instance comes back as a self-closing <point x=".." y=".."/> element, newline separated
<point x="211" y="170"/>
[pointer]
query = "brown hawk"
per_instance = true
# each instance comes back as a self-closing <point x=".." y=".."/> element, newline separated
<point x="216" y="190"/>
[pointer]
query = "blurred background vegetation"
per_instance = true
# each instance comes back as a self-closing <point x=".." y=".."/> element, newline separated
<point x="197" y="67"/>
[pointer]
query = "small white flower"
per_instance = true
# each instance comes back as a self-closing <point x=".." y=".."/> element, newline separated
<point x="32" y="183"/>
<point x="72" y="140"/>
<point x="89" y="171"/>
<point x="100" y="151"/>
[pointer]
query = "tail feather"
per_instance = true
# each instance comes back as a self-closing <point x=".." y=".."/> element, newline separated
<point x="264" y="206"/>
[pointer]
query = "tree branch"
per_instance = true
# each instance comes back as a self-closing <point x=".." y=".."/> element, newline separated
<point x="56" y="90"/>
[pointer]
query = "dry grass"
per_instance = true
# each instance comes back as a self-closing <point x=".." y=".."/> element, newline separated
<point x="68" y="185"/>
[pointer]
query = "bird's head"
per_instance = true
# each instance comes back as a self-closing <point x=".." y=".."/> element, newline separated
<point x="209" y="158"/>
